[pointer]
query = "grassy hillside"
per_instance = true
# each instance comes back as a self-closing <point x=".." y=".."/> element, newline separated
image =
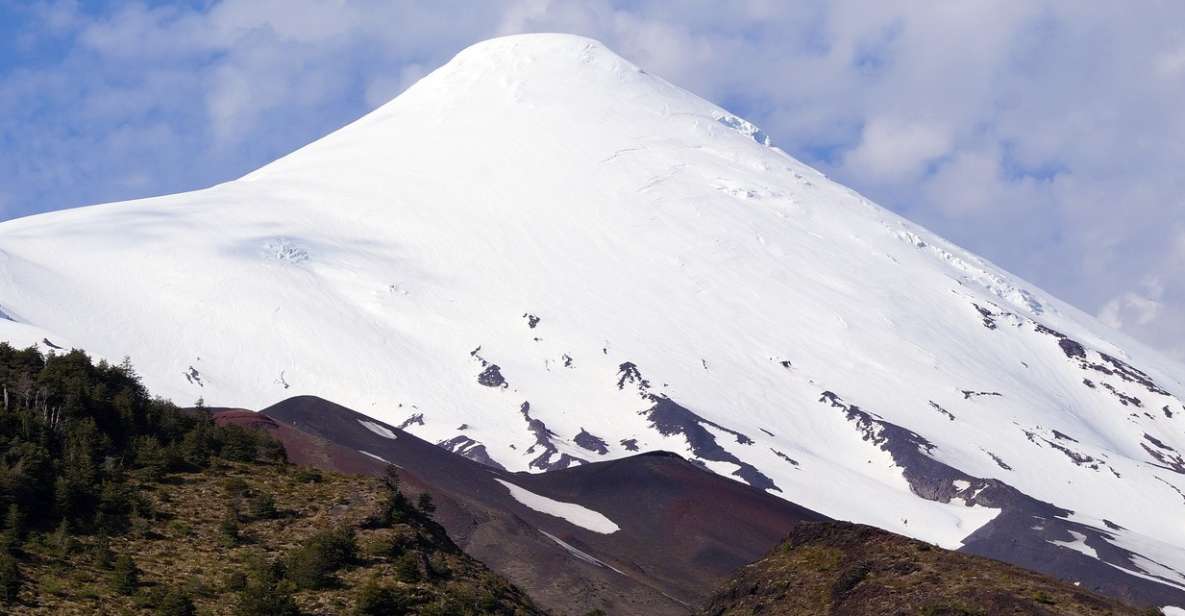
<point x="117" y="503"/>
<point x="235" y="539"/>
<point x="837" y="568"/>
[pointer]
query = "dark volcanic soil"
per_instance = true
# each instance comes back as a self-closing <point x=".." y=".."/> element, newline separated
<point x="684" y="530"/>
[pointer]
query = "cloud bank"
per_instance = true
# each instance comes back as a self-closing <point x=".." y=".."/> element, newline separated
<point x="1046" y="136"/>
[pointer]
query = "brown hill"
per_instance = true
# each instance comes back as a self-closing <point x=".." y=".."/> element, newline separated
<point x="842" y="569"/>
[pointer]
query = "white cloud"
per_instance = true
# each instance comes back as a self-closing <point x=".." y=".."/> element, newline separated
<point x="1171" y="64"/>
<point x="896" y="151"/>
<point x="1130" y="308"/>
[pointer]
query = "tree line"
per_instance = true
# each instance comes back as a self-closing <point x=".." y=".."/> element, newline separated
<point x="72" y="434"/>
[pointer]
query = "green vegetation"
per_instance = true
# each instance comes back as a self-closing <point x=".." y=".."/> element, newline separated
<point x="375" y="598"/>
<point x="314" y="563"/>
<point x="118" y="503"/>
<point x="842" y="568"/>
<point x="74" y="433"/>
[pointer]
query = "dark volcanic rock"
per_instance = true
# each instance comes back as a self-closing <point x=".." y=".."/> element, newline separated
<point x="492" y="376"/>
<point x="989" y="320"/>
<point x="591" y="442"/>
<point x="193" y="376"/>
<point x="785" y="457"/>
<point x="415" y="419"/>
<point x="628" y="373"/>
<point x="669" y="418"/>
<point x="1110" y="366"/>
<point x="1166" y="456"/>
<point x="1072" y="348"/>
<point x="999" y="462"/>
<point x="464" y="446"/>
<point x="545" y="444"/>
<point x="938" y="407"/>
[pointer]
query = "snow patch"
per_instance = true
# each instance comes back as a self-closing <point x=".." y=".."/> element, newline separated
<point x="1078" y="544"/>
<point x="580" y="555"/>
<point x="577" y="515"/>
<point x="378" y="429"/>
<point x="379" y="458"/>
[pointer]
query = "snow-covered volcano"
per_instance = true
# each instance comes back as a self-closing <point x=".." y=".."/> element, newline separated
<point x="540" y="254"/>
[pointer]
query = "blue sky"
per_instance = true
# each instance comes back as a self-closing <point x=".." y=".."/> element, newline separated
<point x="1046" y="136"/>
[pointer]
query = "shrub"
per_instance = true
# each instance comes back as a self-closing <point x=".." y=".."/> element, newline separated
<point x="14" y="528"/>
<point x="125" y="576"/>
<point x="198" y="444"/>
<point x="382" y="547"/>
<point x="176" y="603"/>
<point x="235" y="486"/>
<point x="238" y="443"/>
<point x="101" y="554"/>
<point x="1043" y="597"/>
<point x="180" y="528"/>
<point x="374" y="599"/>
<point x="235" y="580"/>
<point x="442" y="606"/>
<point x="438" y="566"/>
<point x="266" y="602"/>
<point x="61" y="541"/>
<point x="307" y="475"/>
<point x="407" y="568"/>
<point x="261" y="506"/>
<point x="424" y="503"/>
<point x="150" y="458"/>
<point x="395" y="507"/>
<point x="10" y="577"/>
<point x="115" y="503"/>
<point x="313" y="564"/>
<point x="271" y="450"/>
<point x="229" y="529"/>
<point x="849" y="579"/>
<point x="949" y="609"/>
<point x="265" y="594"/>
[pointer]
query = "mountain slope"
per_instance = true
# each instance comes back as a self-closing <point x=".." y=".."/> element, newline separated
<point x="674" y="531"/>
<point x="850" y="570"/>
<point x="540" y="255"/>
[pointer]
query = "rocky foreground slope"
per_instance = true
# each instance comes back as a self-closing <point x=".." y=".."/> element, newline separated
<point x="840" y="569"/>
<point x="185" y="548"/>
